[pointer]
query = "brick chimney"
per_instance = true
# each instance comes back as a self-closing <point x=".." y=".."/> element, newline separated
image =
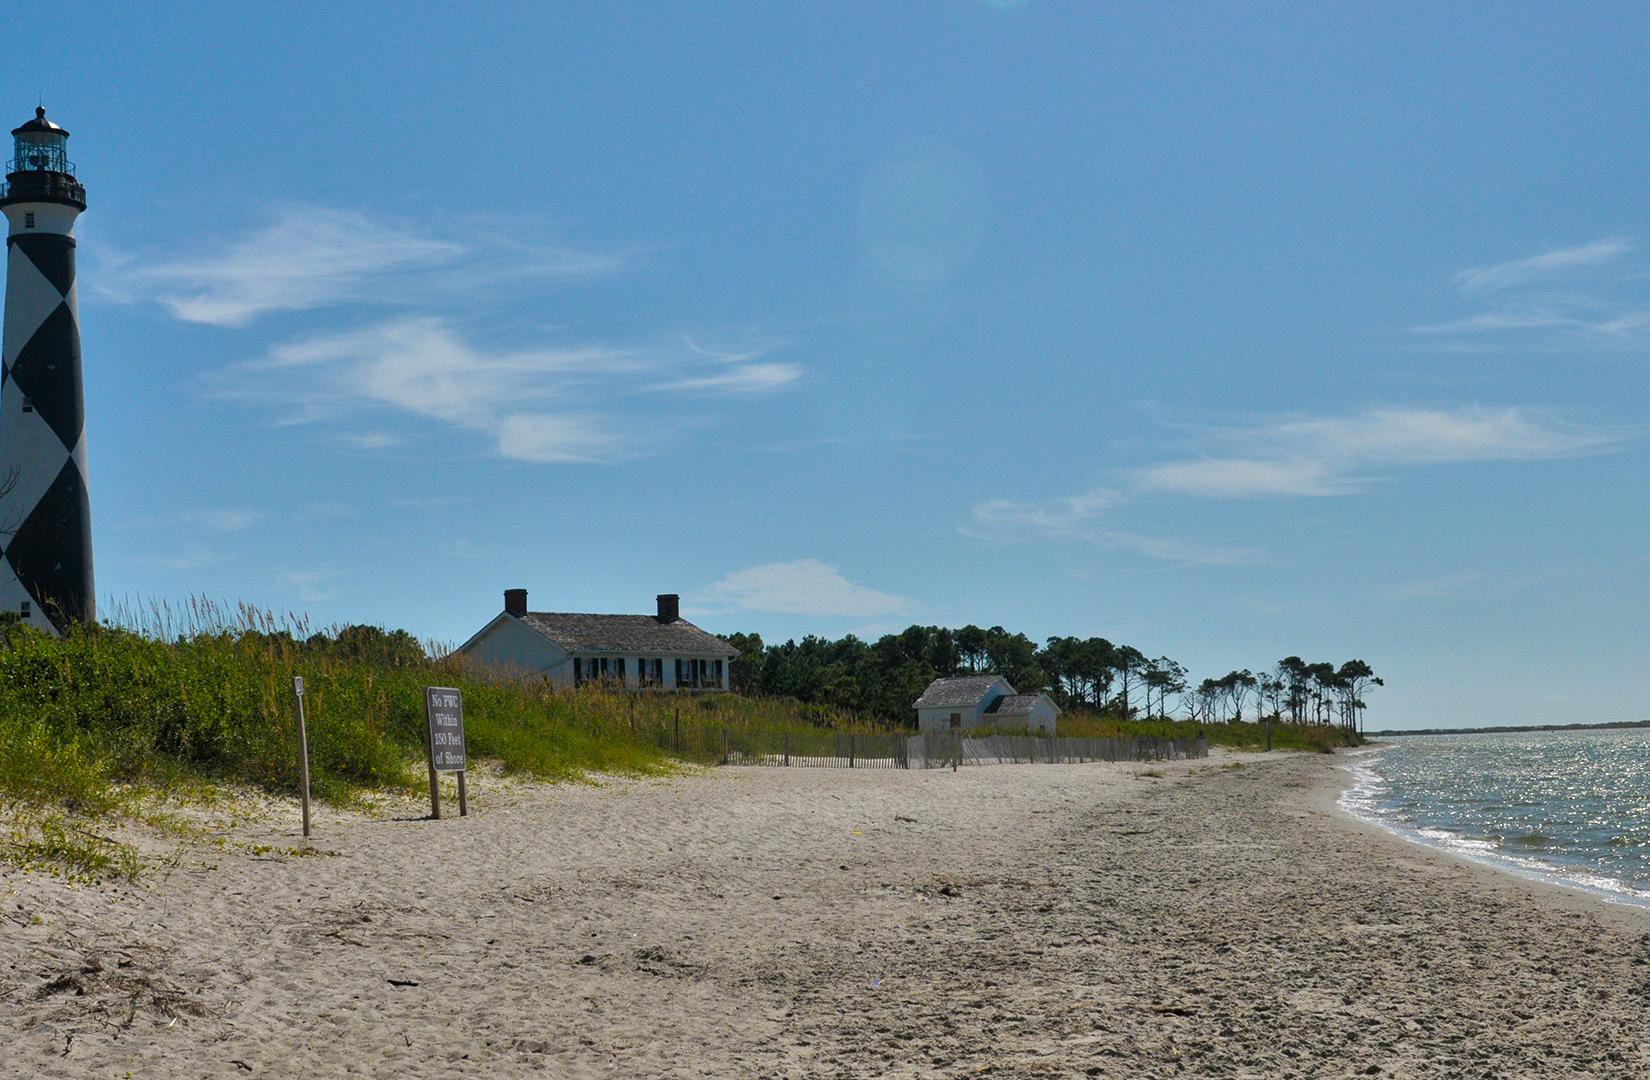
<point x="670" y="608"/>
<point x="515" y="602"/>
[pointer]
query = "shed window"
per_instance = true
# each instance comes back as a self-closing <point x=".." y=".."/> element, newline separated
<point x="25" y="609"/>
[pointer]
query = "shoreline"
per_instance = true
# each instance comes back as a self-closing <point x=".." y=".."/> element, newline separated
<point x="1217" y="918"/>
<point x="1494" y="862"/>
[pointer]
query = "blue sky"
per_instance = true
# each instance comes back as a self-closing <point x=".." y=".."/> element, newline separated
<point x="1228" y="331"/>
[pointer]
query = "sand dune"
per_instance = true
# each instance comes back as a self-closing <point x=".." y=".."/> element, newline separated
<point x="1017" y="921"/>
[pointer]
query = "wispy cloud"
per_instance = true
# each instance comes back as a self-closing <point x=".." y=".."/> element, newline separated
<point x="800" y="587"/>
<point x="1503" y="275"/>
<point x="187" y="558"/>
<point x="312" y="586"/>
<point x="1433" y="588"/>
<point x="370" y="440"/>
<point x="1588" y="297"/>
<point x="1066" y="515"/>
<point x="1291" y="457"/>
<point x="1243" y="477"/>
<point x="540" y="404"/>
<point x="223" y="520"/>
<point x="312" y="257"/>
<point x="1323" y="456"/>
<point x="1176" y="550"/>
<point x="1082" y="517"/>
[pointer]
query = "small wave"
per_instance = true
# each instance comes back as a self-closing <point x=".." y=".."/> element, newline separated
<point x="1529" y="840"/>
<point x="1362" y="800"/>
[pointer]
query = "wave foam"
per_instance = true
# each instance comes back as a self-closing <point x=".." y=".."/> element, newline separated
<point x="1362" y="800"/>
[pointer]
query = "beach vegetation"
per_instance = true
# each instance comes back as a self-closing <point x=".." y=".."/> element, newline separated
<point x="174" y="704"/>
<point x="1093" y="675"/>
<point x="160" y="707"/>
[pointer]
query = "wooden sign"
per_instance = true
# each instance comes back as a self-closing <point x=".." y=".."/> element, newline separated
<point x="444" y="738"/>
<point x="444" y="709"/>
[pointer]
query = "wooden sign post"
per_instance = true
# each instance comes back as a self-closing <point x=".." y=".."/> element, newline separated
<point x="956" y="740"/>
<point x="303" y="748"/>
<point x="444" y="738"/>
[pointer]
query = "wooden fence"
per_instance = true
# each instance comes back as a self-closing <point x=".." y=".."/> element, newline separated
<point x="830" y="750"/>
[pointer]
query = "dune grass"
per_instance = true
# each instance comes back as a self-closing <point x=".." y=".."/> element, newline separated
<point x="162" y="702"/>
<point x="1246" y="736"/>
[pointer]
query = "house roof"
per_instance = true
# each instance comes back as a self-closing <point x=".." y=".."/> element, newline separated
<point x="962" y="690"/>
<point x="625" y="634"/>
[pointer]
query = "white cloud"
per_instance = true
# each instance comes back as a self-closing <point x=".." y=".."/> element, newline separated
<point x="1081" y="517"/>
<point x="1062" y="515"/>
<point x="1173" y="550"/>
<point x="745" y="379"/>
<point x="801" y="587"/>
<point x="1310" y="457"/>
<point x="1323" y="456"/>
<point x="312" y="257"/>
<point x="313" y="586"/>
<point x="1242" y="477"/>
<point x="540" y="404"/>
<point x="370" y="440"/>
<point x="1431" y="588"/>
<point x="550" y="439"/>
<point x="1435" y="436"/>
<point x="1589" y="298"/>
<point x="189" y="557"/>
<point x="1504" y="275"/>
<point x="223" y="520"/>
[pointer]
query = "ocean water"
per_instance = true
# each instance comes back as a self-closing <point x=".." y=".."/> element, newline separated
<point x="1568" y="807"/>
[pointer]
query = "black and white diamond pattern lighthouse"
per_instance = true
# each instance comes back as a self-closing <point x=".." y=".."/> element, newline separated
<point x="45" y="517"/>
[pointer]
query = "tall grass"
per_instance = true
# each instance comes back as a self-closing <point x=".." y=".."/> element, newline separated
<point x="1245" y="736"/>
<point x="163" y="697"/>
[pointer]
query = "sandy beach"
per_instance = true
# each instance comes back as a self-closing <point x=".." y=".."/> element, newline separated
<point x="1211" y="918"/>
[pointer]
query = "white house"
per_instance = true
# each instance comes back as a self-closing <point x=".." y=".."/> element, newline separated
<point x="662" y="651"/>
<point x="988" y="701"/>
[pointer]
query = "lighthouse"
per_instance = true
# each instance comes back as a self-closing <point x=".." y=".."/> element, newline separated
<point x="45" y="516"/>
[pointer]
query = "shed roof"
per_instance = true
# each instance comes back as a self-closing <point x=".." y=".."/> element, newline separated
<point x="625" y="634"/>
<point x="1017" y="704"/>
<point x="960" y="690"/>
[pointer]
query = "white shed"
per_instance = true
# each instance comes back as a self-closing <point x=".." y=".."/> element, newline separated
<point x="1023" y="712"/>
<point x="983" y="701"/>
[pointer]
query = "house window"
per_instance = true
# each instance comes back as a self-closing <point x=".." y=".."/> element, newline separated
<point x="26" y="609"/>
<point x="716" y="673"/>
<point x="650" y="671"/>
<point x="692" y="673"/>
<point x="28" y="219"/>
<point x="28" y="404"/>
<point x="618" y="672"/>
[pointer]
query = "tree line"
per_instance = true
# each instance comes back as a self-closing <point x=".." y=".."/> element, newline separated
<point x="884" y="677"/>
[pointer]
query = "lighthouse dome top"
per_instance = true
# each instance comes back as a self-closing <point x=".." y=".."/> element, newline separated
<point x="40" y="125"/>
<point x="40" y="169"/>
